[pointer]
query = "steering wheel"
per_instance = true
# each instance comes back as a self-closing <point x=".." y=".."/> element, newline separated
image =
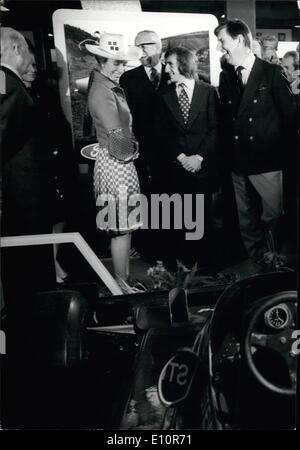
<point x="271" y="326"/>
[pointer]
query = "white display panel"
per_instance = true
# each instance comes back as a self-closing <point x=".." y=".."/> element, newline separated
<point x="195" y="31"/>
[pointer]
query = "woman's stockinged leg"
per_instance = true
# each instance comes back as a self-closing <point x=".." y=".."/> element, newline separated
<point x="128" y="254"/>
<point x="120" y="247"/>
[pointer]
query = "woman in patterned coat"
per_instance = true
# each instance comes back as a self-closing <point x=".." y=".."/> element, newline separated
<point x="116" y="184"/>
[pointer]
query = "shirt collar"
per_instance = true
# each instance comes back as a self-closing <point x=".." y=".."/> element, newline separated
<point x="8" y="66"/>
<point x="188" y="82"/>
<point x="158" y="67"/>
<point x="248" y="62"/>
<point x="105" y="80"/>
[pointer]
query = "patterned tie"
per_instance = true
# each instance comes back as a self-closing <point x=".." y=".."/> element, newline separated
<point x="154" y="77"/>
<point x="184" y="103"/>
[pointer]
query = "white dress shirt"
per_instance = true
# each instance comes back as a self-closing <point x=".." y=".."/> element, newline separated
<point x="148" y="70"/>
<point x="247" y="66"/>
<point x="188" y="85"/>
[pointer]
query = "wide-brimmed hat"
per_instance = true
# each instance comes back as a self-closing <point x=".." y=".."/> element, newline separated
<point x="113" y="46"/>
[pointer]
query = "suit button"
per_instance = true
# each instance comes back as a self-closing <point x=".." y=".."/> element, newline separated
<point x="250" y="119"/>
<point x="55" y="152"/>
<point x="255" y="100"/>
<point x="251" y="138"/>
<point x="229" y="101"/>
<point x="236" y="138"/>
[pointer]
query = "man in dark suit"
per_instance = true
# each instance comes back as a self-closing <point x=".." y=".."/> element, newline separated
<point x="26" y="181"/>
<point x="258" y="115"/>
<point x="142" y="85"/>
<point x="189" y="124"/>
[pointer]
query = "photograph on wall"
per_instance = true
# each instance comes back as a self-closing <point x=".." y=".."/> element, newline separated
<point x="73" y="27"/>
<point x="81" y="62"/>
<point x="166" y="298"/>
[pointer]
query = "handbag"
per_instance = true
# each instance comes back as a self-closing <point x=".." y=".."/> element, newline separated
<point x="121" y="147"/>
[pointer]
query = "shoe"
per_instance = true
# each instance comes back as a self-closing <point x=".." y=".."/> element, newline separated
<point x="131" y="287"/>
<point x="64" y="283"/>
<point x="135" y="283"/>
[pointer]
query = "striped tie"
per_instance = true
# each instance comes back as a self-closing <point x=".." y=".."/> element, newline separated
<point x="154" y="77"/>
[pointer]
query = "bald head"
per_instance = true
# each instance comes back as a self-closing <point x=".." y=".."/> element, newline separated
<point x="256" y="48"/>
<point x="14" y="50"/>
<point x="150" y="43"/>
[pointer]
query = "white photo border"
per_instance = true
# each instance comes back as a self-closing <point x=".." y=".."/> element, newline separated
<point x="131" y="23"/>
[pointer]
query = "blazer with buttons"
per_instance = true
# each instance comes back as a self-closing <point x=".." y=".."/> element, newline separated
<point x="256" y="134"/>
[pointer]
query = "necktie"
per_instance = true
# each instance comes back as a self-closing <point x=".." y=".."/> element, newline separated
<point x="184" y="103"/>
<point x="239" y="80"/>
<point x="154" y="77"/>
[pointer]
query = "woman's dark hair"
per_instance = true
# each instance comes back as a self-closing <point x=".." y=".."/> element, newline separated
<point x="101" y="59"/>
<point x="234" y="28"/>
<point x="185" y="59"/>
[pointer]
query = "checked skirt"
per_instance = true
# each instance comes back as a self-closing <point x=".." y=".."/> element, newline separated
<point x="117" y="192"/>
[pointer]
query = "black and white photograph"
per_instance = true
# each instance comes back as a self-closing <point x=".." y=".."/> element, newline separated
<point x="149" y="217"/>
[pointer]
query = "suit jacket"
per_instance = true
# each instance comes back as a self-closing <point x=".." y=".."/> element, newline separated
<point x="27" y="183"/>
<point x="63" y="163"/>
<point x="258" y="132"/>
<point x="198" y="136"/>
<point x="142" y="100"/>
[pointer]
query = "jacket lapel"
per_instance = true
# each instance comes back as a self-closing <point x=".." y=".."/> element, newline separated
<point x="172" y="101"/>
<point x="170" y="98"/>
<point x="164" y="78"/>
<point x="18" y="79"/>
<point x="196" y="104"/>
<point x="142" y="74"/>
<point x="251" y="86"/>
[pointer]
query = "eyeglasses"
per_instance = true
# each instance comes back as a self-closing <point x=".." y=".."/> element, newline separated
<point x="146" y="45"/>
